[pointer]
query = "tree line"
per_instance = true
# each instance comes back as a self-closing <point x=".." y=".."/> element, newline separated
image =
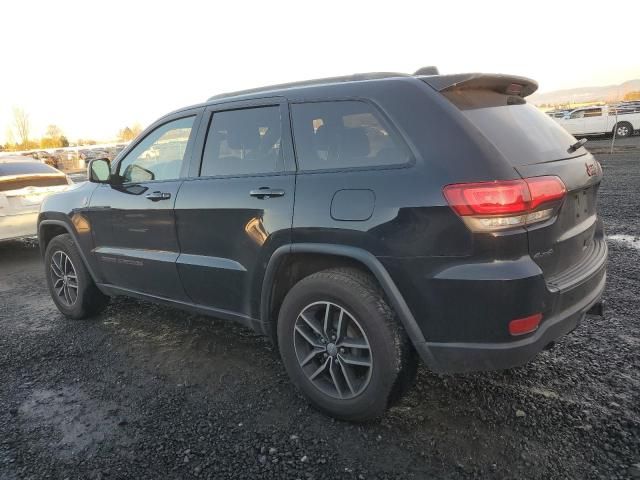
<point x="19" y="135"/>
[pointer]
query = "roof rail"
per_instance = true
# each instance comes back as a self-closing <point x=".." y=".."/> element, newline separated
<point x="307" y="83"/>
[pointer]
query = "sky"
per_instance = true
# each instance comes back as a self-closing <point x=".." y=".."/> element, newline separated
<point x="93" y="67"/>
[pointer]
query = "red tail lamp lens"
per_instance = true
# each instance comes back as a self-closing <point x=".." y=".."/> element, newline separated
<point x="545" y="189"/>
<point x="488" y="198"/>
<point x="522" y="326"/>
<point x="499" y="205"/>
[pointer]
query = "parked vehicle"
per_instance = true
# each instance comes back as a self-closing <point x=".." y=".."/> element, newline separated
<point x="355" y="221"/>
<point x="24" y="183"/>
<point x="599" y="120"/>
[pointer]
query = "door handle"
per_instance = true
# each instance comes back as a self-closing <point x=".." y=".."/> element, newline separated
<point x="266" y="192"/>
<point x="155" y="196"/>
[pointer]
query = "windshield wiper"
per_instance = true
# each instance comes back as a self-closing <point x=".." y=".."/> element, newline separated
<point x="577" y="145"/>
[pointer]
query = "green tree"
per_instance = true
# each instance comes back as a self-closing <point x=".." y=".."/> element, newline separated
<point x="63" y="141"/>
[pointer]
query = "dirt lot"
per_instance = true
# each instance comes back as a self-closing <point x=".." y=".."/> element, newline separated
<point x="150" y="392"/>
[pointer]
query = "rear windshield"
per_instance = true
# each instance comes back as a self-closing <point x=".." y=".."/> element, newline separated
<point x="29" y="174"/>
<point x="521" y="132"/>
<point x="36" y="181"/>
<point x="26" y="168"/>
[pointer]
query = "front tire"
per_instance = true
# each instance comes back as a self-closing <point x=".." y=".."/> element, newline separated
<point x="70" y="284"/>
<point x="623" y="129"/>
<point x="342" y="345"/>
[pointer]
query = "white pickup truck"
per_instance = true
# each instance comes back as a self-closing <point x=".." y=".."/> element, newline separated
<point x="599" y="120"/>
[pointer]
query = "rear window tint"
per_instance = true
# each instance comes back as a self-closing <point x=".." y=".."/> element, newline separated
<point x="521" y="132"/>
<point x="26" y="168"/>
<point x="343" y="134"/>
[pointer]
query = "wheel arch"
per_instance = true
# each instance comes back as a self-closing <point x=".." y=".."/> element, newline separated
<point x="351" y="256"/>
<point x="50" y="228"/>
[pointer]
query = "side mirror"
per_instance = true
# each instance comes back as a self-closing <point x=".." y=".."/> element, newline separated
<point x="99" y="170"/>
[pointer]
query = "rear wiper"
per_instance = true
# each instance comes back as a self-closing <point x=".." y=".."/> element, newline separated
<point x="577" y="145"/>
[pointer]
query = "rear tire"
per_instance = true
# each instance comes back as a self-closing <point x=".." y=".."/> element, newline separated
<point x="363" y="360"/>
<point x="70" y="284"/>
<point x="623" y="129"/>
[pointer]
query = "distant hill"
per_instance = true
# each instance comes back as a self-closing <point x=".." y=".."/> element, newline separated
<point x="609" y="93"/>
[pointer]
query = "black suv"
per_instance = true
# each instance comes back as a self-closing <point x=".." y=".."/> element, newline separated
<point x="356" y="221"/>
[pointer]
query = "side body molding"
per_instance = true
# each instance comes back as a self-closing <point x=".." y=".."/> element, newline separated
<point x="375" y="267"/>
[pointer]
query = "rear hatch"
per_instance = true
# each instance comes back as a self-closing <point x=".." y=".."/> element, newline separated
<point x="565" y="246"/>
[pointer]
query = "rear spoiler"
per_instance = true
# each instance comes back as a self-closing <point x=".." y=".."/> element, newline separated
<point x="507" y="84"/>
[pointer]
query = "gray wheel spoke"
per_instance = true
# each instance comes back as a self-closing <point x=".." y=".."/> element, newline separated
<point x="67" y="297"/>
<point x="319" y="370"/>
<point x="314" y="327"/>
<point x="345" y="374"/>
<point x="334" y="377"/>
<point x="312" y="354"/>
<point x="59" y="262"/>
<point x="308" y="338"/>
<point x="340" y="325"/>
<point x="351" y="360"/>
<point x="58" y="283"/>
<point x="56" y="271"/>
<point x="326" y="319"/>
<point x="354" y="343"/>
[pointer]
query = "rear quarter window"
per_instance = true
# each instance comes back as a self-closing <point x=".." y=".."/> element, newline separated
<point x="344" y="134"/>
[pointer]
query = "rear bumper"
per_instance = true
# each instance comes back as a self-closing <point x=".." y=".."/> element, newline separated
<point x="466" y="357"/>
<point x="16" y="226"/>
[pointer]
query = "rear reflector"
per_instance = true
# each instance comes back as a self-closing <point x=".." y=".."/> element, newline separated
<point x="499" y="205"/>
<point x="525" y="325"/>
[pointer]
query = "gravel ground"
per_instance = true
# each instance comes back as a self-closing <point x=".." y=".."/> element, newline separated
<point x="150" y="392"/>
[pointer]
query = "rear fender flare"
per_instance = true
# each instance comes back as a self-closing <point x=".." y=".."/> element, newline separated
<point x="362" y="256"/>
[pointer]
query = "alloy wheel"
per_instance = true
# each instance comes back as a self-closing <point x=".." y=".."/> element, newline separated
<point x="64" y="278"/>
<point x="333" y="350"/>
<point x="623" y="131"/>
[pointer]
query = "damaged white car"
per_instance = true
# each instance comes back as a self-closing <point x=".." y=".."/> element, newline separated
<point x="24" y="183"/>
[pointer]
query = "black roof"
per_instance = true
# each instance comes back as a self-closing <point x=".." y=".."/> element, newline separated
<point x="357" y="77"/>
<point x="496" y="82"/>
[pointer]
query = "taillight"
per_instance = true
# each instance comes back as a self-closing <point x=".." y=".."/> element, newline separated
<point x="499" y="205"/>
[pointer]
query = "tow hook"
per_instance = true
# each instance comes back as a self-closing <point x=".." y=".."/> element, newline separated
<point x="597" y="309"/>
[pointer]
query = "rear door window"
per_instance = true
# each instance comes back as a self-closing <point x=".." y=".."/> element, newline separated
<point x="343" y="134"/>
<point x="243" y="142"/>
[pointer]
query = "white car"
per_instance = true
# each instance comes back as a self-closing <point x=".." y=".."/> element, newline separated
<point x="24" y="183"/>
<point x="600" y="120"/>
